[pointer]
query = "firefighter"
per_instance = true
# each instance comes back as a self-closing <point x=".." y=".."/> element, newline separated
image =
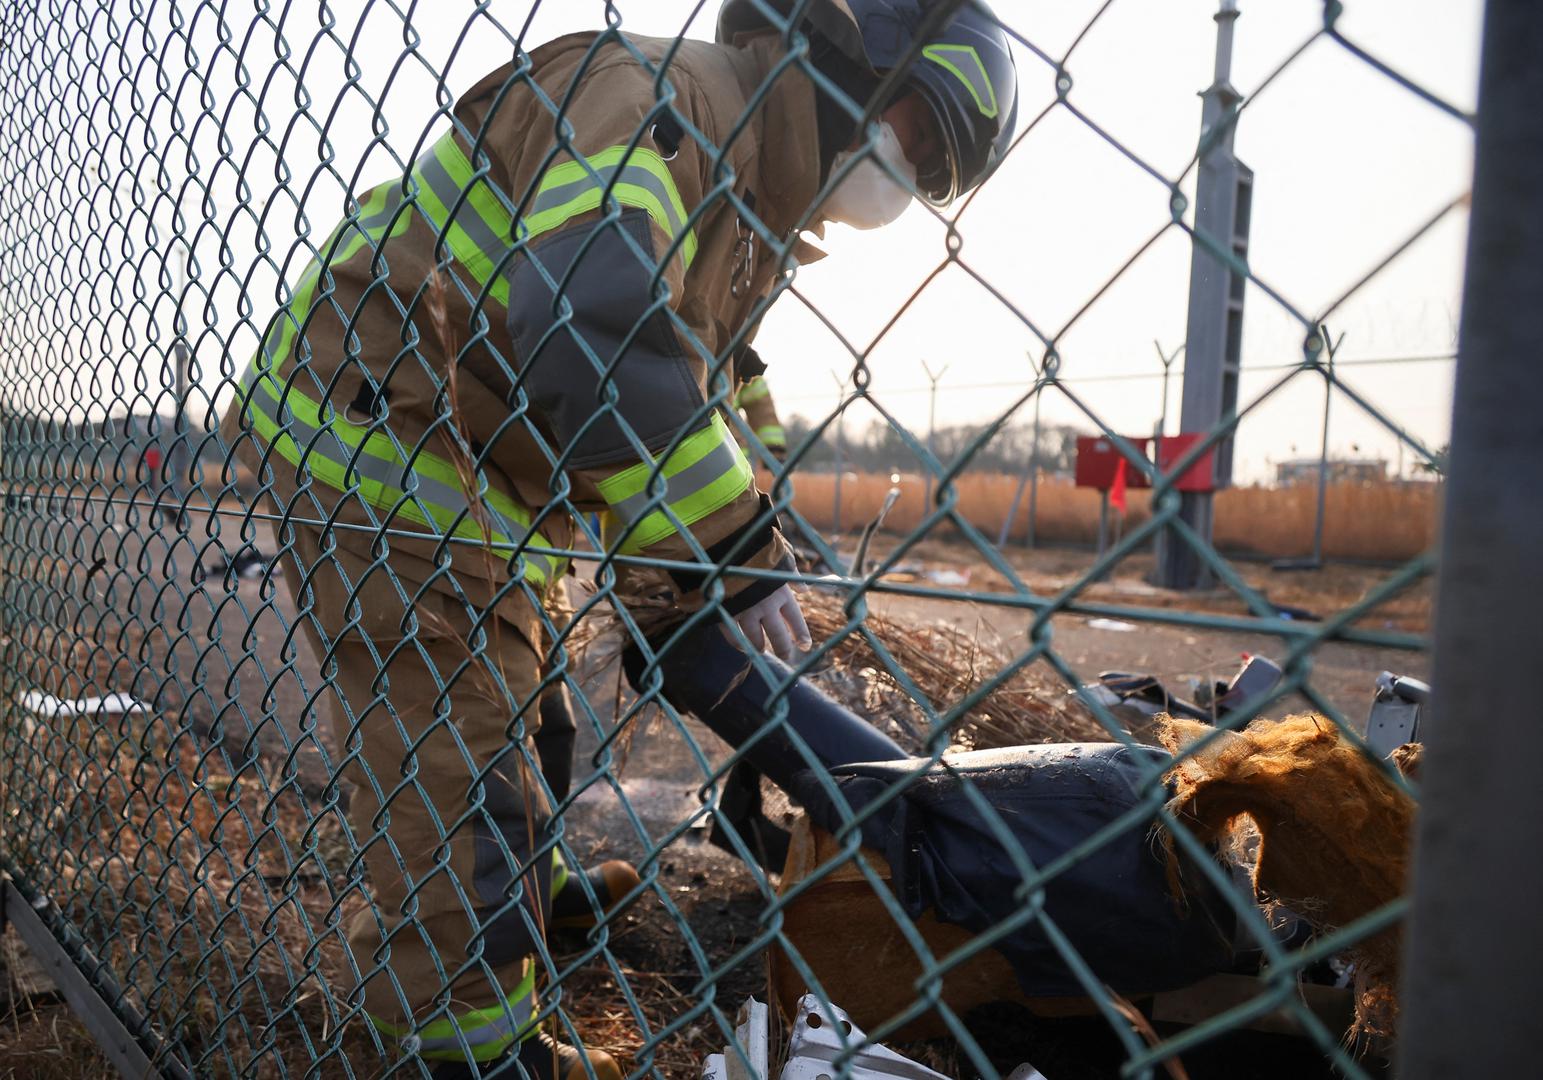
<point x="523" y="325"/>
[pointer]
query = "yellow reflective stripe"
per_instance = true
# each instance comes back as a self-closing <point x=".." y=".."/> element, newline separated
<point x="559" y="873"/>
<point x="480" y="233"/>
<point x="377" y="472"/>
<point x="940" y="53"/>
<point x="754" y="390"/>
<point x="375" y="214"/>
<point x="772" y="435"/>
<point x="487" y="1033"/>
<point x="383" y="479"/>
<point x="641" y="179"/>
<point x="705" y="473"/>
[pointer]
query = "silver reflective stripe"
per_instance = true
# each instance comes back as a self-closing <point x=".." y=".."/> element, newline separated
<point x="392" y="475"/>
<point x="375" y="224"/>
<point x="721" y="459"/>
<point x="552" y="197"/>
<point x="439" y="181"/>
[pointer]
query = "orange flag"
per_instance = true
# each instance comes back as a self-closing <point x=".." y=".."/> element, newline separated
<point x="1117" y="489"/>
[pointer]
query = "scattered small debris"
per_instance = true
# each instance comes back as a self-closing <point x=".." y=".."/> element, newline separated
<point x="45" y="704"/>
<point x="751" y="1033"/>
<point x="821" y="1036"/>
<point x="1025" y="1072"/>
<point x="247" y="564"/>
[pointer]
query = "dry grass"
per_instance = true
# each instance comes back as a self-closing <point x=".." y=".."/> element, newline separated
<point x="1361" y="521"/>
<point x="1333" y="831"/>
<point x="947" y="665"/>
<point x="208" y="900"/>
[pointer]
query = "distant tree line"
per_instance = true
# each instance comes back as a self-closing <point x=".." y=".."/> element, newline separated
<point x="878" y="448"/>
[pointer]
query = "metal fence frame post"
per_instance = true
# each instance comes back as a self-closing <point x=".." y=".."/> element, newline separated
<point x="932" y="422"/>
<point x="1474" y="934"/>
<point x="1330" y="347"/>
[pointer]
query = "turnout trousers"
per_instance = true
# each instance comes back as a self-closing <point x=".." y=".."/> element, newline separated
<point x="434" y="726"/>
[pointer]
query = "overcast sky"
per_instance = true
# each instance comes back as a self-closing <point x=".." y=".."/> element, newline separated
<point x="1348" y="166"/>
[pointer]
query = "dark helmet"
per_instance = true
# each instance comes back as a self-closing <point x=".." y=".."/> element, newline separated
<point x="964" y="72"/>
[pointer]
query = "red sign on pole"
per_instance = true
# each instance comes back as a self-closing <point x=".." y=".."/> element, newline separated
<point x="1200" y="476"/>
<point x="1098" y="461"/>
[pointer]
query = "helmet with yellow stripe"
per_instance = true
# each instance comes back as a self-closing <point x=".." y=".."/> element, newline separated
<point x="960" y="65"/>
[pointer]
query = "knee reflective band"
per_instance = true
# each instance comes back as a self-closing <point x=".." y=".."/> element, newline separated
<point x="481" y="1034"/>
<point x="700" y="677"/>
<point x="704" y="474"/>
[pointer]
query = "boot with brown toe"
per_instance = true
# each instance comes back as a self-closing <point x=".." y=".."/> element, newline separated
<point x="540" y="1057"/>
<point x="611" y="883"/>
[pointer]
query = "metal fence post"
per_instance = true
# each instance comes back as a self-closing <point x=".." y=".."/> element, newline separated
<point x="932" y="421"/>
<point x="1331" y="347"/>
<point x="1167" y="360"/>
<point x="1029" y="536"/>
<point x="1474" y="935"/>
<point x="835" y="524"/>
<point x="1030" y="477"/>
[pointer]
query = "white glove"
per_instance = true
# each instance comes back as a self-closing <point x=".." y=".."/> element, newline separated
<point x="776" y="618"/>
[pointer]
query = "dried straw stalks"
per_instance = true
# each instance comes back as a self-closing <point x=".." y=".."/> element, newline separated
<point x="1334" y="831"/>
<point x="943" y="662"/>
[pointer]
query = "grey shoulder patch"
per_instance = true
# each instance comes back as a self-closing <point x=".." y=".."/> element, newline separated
<point x="612" y="325"/>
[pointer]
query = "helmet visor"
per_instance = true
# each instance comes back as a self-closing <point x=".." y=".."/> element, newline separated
<point x="938" y="180"/>
<point x="919" y="126"/>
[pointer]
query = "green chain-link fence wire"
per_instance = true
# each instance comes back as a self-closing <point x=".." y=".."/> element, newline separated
<point x="195" y="848"/>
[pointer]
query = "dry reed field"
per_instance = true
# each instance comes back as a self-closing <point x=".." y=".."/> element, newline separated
<point x="1380" y="522"/>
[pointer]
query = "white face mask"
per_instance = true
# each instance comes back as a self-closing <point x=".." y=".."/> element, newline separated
<point x="869" y="197"/>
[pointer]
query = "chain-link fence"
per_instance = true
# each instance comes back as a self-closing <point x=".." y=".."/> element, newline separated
<point x="386" y="560"/>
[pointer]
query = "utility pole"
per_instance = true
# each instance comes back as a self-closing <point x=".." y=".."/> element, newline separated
<point x="932" y="423"/>
<point x="1223" y="195"/>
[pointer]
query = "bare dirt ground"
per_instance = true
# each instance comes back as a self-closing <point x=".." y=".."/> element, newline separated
<point x="695" y="940"/>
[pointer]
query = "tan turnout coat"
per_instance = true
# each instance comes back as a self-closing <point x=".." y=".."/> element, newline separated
<point x="394" y="367"/>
